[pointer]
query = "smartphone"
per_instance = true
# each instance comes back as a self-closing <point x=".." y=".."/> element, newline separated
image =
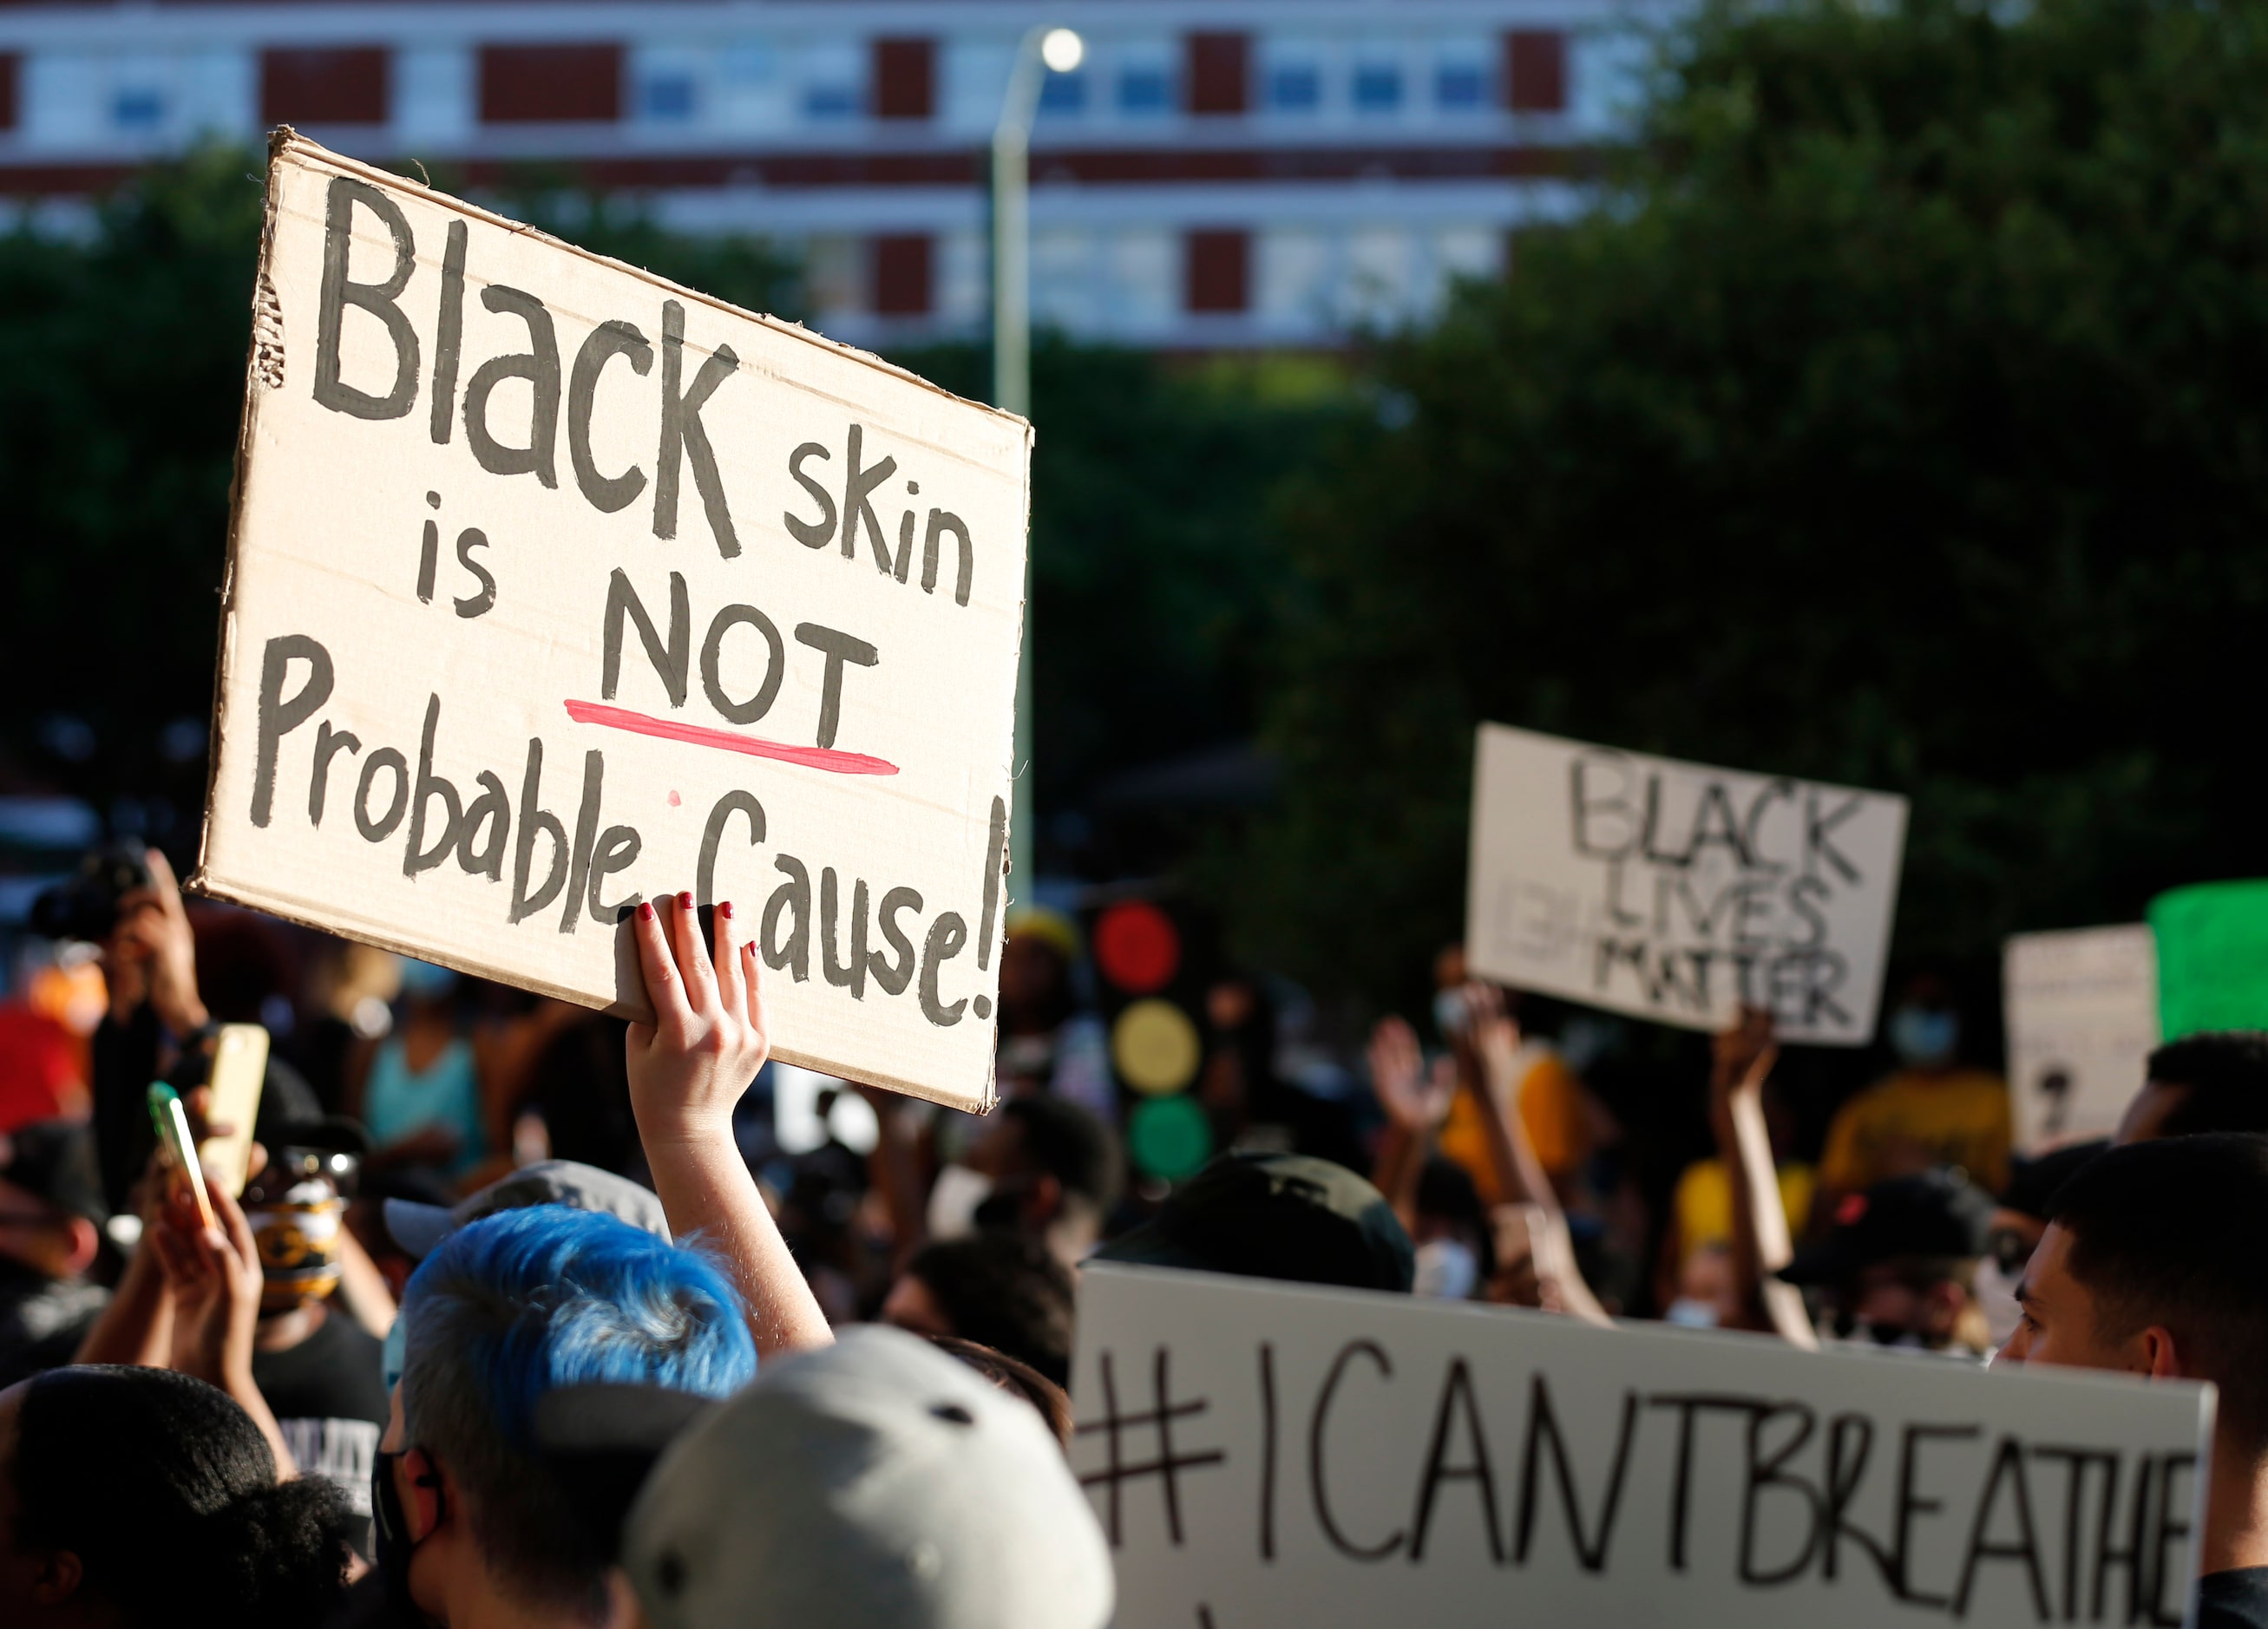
<point x="239" y="1064"/>
<point x="181" y="1154"/>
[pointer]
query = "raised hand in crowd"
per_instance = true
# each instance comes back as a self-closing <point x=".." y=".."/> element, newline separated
<point x="1416" y="1100"/>
<point x="1488" y="1049"/>
<point x="214" y="1283"/>
<point x="136" y="1324"/>
<point x="150" y="957"/>
<point x="1741" y="1060"/>
<point x="686" y="1071"/>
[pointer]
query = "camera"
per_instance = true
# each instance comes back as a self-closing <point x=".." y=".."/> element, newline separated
<point x="85" y="905"/>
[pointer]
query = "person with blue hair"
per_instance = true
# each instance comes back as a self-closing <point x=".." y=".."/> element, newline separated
<point x="476" y="1525"/>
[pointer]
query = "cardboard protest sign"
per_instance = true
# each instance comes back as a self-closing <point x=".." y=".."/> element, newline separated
<point x="2082" y="1015"/>
<point x="1264" y="1454"/>
<point x="553" y="586"/>
<point x="1676" y="891"/>
<point x="2212" y="957"/>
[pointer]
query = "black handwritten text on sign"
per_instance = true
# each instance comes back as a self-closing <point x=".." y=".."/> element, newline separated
<point x="554" y="587"/>
<point x="1676" y="891"/>
<point x="1268" y="1454"/>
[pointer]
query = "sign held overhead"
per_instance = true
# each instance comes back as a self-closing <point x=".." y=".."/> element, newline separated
<point x="2082" y="1017"/>
<point x="1278" y="1454"/>
<point x="1677" y="892"/>
<point x="553" y="586"/>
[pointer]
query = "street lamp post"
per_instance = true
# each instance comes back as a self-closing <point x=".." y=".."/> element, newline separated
<point x="1042" y="50"/>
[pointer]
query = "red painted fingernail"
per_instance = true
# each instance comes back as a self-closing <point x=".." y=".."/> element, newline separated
<point x="646" y="910"/>
<point x="685" y="902"/>
<point x="725" y="910"/>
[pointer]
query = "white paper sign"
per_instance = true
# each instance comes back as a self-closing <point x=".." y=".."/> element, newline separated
<point x="553" y="585"/>
<point x="2082" y="1014"/>
<point x="1264" y="1455"/>
<point x="1676" y="891"/>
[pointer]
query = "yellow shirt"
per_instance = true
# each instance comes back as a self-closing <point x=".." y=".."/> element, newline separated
<point x="1550" y="1111"/>
<point x="1703" y="1204"/>
<point x="1911" y="1121"/>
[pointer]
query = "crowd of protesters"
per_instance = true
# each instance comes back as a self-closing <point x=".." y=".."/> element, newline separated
<point x="445" y="1359"/>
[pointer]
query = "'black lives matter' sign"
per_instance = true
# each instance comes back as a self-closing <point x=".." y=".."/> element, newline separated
<point x="1676" y="891"/>
<point x="1270" y="1453"/>
<point x="553" y="587"/>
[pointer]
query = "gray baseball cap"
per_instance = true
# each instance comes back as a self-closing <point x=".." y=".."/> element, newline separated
<point x="420" y="1228"/>
<point x="877" y="1481"/>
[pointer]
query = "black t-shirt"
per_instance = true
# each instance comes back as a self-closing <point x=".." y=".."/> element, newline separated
<point x="328" y="1395"/>
<point x="2235" y="1599"/>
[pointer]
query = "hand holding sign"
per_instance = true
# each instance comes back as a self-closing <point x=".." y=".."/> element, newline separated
<point x="686" y="1071"/>
<point x="691" y="1065"/>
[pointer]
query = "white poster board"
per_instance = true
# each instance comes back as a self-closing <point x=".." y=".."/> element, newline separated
<point x="2082" y="1017"/>
<point x="553" y="585"/>
<point x="1262" y="1454"/>
<point x="1676" y="891"/>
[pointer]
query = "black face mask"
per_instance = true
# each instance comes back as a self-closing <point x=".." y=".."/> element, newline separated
<point x="395" y="1546"/>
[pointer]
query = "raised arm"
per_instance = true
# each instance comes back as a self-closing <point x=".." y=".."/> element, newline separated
<point x="213" y="1276"/>
<point x="1742" y="1060"/>
<point x="1416" y="1101"/>
<point x="136" y="1324"/>
<point x="1495" y="1042"/>
<point x="686" y="1071"/>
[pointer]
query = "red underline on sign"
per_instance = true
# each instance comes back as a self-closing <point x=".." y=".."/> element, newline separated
<point x="725" y="741"/>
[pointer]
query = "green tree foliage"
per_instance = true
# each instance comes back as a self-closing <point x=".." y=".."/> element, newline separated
<point x="122" y="364"/>
<point x="1157" y="577"/>
<point x="1899" y="420"/>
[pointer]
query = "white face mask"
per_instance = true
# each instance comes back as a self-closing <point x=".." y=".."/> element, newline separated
<point x="1446" y="1269"/>
<point x="953" y="1202"/>
<point x="1688" y="1313"/>
<point x="1996" y="1298"/>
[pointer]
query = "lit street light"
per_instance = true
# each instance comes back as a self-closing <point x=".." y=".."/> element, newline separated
<point x="1043" y="51"/>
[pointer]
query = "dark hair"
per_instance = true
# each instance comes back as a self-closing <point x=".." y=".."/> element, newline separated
<point x="508" y="1308"/>
<point x="1069" y="1144"/>
<point x="2175" y="1232"/>
<point x="2227" y="1074"/>
<point x="166" y="1492"/>
<point x="1016" y="1379"/>
<point x="1006" y="1290"/>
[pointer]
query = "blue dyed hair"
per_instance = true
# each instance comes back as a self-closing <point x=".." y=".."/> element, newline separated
<point x="519" y="1303"/>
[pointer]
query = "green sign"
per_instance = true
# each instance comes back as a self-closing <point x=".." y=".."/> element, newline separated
<point x="2212" y="957"/>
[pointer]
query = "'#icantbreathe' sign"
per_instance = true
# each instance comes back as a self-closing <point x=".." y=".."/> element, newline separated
<point x="554" y="586"/>
<point x="1275" y="1454"/>
<point x="1678" y="891"/>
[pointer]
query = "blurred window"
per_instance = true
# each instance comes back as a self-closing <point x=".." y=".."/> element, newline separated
<point x="324" y="85"/>
<point x="902" y="274"/>
<point x="1460" y="86"/>
<point x="550" y="83"/>
<point x="1535" y="71"/>
<point x="1145" y="89"/>
<point x="138" y="107"/>
<point x="1218" y="267"/>
<point x="1377" y="88"/>
<point x="1295" y="87"/>
<point x="666" y="96"/>
<point x="1220" y="72"/>
<point x="1063" y="93"/>
<point x="905" y="78"/>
